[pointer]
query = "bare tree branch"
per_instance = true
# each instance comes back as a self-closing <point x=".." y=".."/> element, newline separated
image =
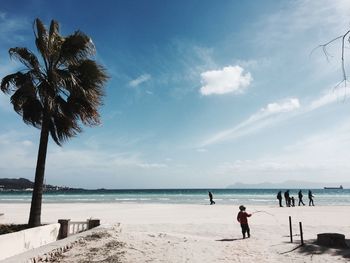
<point x="327" y="55"/>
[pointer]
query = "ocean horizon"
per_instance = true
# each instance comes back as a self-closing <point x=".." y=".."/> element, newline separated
<point x="324" y="197"/>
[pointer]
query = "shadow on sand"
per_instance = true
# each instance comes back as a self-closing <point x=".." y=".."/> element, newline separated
<point x="311" y="248"/>
<point x="229" y="239"/>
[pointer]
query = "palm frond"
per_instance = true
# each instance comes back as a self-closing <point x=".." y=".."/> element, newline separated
<point x="90" y="78"/>
<point x="53" y="133"/>
<point x="75" y="48"/>
<point x="62" y="128"/>
<point x="26" y="57"/>
<point x="54" y="42"/>
<point x="85" y="110"/>
<point x="41" y="38"/>
<point x="25" y="90"/>
<point x="54" y="31"/>
<point x="26" y="103"/>
<point x="91" y="75"/>
<point x="67" y="79"/>
<point x="32" y="112"/>
<point x="8" y="81"/>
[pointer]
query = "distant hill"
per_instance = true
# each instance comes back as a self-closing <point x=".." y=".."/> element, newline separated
<point x="288" y="185"/>
<point x="23" y="184"/>
<point x="16" y="184"/>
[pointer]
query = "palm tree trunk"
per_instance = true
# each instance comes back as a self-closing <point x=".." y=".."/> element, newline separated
<point x="35" y="209"/>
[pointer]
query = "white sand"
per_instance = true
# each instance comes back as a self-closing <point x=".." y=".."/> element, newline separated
<point x="201" y="233"/>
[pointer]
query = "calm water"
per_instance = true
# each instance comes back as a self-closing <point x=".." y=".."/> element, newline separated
<point x="180" y="196"/>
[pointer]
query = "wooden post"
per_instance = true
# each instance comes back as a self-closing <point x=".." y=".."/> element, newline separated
<point x="290" y="229"/>
<point x="64" y="228"/>
<point x="93" y="223"/>
<point x="301" y="233"/>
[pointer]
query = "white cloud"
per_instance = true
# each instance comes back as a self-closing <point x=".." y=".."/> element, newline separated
<point x="230" y="79"/>
<point x="277" y="111"/>
<point x="139" y="80"/>
<point x="319" y="157"/>
<point x="264" y="117"/>
<point x="328" y="97"/>
<point x="278" y="107"/>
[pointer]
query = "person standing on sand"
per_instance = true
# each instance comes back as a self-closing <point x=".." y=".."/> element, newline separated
<point x="242" y="218"/>
<point x="300" y="197"/>
<point x="286" y="196"/>
<point x="211" y="199"/>
<point x="279" y="197"/>
<point x="311" y="200"/>
<point x="293" y="201"/>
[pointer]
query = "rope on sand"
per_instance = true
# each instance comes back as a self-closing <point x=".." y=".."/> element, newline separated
<point x="265" y="212"/>
<point x="262" y="211"/>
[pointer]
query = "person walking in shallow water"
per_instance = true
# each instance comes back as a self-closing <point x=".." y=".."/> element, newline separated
<point x="211" y="198"/>
<point x="300" y="197"/>
<point x="242" y="218"/>
<point x="311" y="200"/>
<point x="279" y="197"/>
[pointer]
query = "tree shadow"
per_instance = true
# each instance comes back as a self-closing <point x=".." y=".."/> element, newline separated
<point x="311" y="248"/>
<point x="229" y="239"/>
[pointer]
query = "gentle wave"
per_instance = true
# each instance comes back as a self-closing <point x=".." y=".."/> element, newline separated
<point x="179" y="196"/>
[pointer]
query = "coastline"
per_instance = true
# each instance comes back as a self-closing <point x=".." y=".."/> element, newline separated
<point x="177" y="196"/>
<point x="201" y="233"/>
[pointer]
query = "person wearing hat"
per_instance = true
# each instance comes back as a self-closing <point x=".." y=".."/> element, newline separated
<point x="242" y="218"/>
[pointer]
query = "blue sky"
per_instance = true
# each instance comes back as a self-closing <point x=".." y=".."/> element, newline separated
<point x="201" y="94"/>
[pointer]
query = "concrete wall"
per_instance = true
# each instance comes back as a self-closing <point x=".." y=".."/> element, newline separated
<point x="22" y="241"/>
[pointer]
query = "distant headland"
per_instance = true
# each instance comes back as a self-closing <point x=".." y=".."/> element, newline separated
<point x="23" y="184"/>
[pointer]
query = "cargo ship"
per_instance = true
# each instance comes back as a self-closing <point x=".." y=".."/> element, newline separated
<point x="340" y="187"/>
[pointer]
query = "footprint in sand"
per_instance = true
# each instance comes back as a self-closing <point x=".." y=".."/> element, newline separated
<point x="161" y="235"/>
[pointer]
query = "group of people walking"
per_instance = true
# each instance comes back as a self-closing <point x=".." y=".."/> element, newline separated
<point x="242" y="216"/>
<point x="290" y="201"/>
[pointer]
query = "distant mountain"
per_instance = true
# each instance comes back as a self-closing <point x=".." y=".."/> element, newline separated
<point x="288" y="185"/>
<point x="15" y="184"/>
<point x="23" y="184"/>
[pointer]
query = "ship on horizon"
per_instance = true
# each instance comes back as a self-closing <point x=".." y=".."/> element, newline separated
<point x="340" y="187"/>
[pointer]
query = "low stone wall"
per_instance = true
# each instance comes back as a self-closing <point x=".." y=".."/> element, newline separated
<point x="22" y="241"/>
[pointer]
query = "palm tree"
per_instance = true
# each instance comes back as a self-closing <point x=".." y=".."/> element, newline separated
<point x="56" y="96"/>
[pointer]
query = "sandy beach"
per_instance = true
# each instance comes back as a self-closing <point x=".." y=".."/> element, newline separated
<point x="197" y="233"/>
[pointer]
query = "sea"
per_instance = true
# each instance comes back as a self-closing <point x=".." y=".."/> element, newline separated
<point x="323" y="197"/>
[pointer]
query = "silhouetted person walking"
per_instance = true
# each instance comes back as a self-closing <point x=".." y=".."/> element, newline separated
<point x="293" y="201"/>
<point x="242" y="218"/>
<point x="311" y="200"/>
<point x="279" y="197"/>
<point x="211" y="198"/>
<point x="286" y="197"/>
<point x="300" y="197"/>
